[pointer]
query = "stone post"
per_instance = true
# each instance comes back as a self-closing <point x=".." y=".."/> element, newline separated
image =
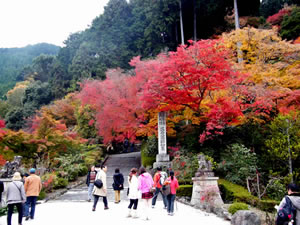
<point x="162" y="158"/>
<point x="206" y="193"/>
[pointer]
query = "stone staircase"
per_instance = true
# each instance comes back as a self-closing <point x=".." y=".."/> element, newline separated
<point x="124" y="162"/>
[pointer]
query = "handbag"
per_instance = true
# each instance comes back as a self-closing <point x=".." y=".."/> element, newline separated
<point x="152" y="190"/>
<point x="98" y="183"/>
<point x="166" y="189"/>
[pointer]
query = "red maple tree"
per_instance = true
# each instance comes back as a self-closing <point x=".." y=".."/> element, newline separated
<point x="195" y="77"/>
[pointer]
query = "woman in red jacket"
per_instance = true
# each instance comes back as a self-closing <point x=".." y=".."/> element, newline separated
<point x="173" y="182"/>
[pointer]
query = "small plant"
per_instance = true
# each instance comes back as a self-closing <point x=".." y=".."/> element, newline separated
<point x="208" y="198"/>
<point x="237" y="206"/>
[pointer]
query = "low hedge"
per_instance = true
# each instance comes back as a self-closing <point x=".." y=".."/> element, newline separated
<point x="237" y="206"/>
<point x="235" y="193"/>
<point x="267" y="205"/>
<point x="184" y="191"/>
<point x="147" y="161"/>
<point x="185" y="182"/>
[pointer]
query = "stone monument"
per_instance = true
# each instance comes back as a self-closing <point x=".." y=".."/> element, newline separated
<point x="162" y="158"/>
<point x="206" y="193"/>
<point x="11" y="167"/>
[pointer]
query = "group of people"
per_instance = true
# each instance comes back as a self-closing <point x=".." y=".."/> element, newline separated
<point x="22" y="193"/>
<point x="141" y="186"/>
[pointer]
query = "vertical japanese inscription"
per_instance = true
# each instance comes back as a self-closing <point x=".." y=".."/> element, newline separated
<point x="162" y="139"/>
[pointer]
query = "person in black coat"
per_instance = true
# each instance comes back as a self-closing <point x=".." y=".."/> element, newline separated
<point x="1" y="190"/>
<point x="90" y="180"/>
<point x="118" y="184"/>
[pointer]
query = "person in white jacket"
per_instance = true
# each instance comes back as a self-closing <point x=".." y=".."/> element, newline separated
<point x="133" y="194"/>
<point x="15" y="196"/>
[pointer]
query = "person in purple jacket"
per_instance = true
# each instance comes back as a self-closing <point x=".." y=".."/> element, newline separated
<point x="145" y="184"/>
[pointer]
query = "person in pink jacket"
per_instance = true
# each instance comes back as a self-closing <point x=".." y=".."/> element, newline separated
<point x="145" y="183"/>
<point x="173" y="182"/>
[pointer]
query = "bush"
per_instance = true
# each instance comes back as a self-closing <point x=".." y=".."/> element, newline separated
<point x="82" y="170"/>
<point x="60" y="182"/>
<point x="185" y="190"/>
<point x="238" y="163"/>
<point x="72" y="173"/>
<point x="42" y="195"/>
<point x="237" y="206"/>
<point x="267" y="205"/>
<point x="276" y="190"/>
<point x="185" y="182"/>
<point x="146" y="159"/>
<point x="231" y="192"/>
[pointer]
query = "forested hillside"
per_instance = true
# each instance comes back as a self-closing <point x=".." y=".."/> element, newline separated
<point x="12" y="61"/>
<point x="231" y="90"/>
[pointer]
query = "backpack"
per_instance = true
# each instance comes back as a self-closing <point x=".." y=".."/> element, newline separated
<point x="98" y="183"/>
<point x="286" y="213"/>
<point x="163" y="177"/>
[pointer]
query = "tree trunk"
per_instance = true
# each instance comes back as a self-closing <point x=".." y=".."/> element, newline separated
<point x="195" y="21"/>
<point x="181" y="22"/>
<point x="289" y="149"/>
<point x="236" y="15"/>
<point x="237" y="26"/>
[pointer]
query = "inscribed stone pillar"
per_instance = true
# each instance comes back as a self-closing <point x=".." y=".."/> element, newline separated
<point x="162" y="158"/>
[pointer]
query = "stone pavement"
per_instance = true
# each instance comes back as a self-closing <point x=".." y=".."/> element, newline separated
<point x="122" y="161"/>
<point x="73" y="209"/>
<point x="80" y="213"/>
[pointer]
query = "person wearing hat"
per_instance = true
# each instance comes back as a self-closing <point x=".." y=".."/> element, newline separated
<point x="15" y="196"/>
<point x="33" y="186"/>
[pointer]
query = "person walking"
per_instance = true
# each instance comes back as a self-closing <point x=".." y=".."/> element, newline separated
<point x="294" y="196"/>
<point x="100" y="192"/>
<point x="118" y="184"/>
<point x="159" y="179"/>
<point x="173" y="182"/>
<point x="145" y="184"/>
<point x="90" y="179"/>
<point x="133" y="194"/>
<point x="33" y="187"/>
<point x="15" y="196"/>
<point x="1" y="191"/>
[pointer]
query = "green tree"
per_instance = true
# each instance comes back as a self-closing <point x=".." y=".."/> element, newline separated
<point x="283" y="142"/>
<point x="4" y="108"/>
<point x="14" y="119"/>
<point x="238" y="163"/>
<point x="290" y="26"/>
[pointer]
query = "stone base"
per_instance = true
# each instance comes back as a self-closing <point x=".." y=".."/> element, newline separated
<point x="162" y="158"/>
<point x="163" y="165"/>
<point x="206" y="192"/>
<point x="163" y="161"/>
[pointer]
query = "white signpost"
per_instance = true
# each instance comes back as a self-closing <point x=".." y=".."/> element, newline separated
<point x="162" y="158"/>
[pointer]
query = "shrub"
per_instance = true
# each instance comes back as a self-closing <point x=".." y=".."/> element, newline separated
<point x="237" y="206"/>
<point x="82" y="170"/>
<point x="146" y="159"/>
<point x="238" y="163"/>
<point x="72" y="173"/>
<point x="276" y="190"/>
<point x="42" y="195"/>
<point x="231" y="192"/>
<point x="267" y="205"/>
<point x="185" y="164"/>
<point x="185" y="182"/>
<point x="185" y="190"/>
<point x="60" y="182"/>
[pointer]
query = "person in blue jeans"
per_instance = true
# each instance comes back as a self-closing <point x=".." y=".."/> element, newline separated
<point x="33" y="187"/>
<point x="159" y="178"/>
<point x="172" y="181"/>
<point x="90" y="180"/>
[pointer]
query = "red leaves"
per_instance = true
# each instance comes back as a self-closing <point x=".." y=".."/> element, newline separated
<point x="277" y="18"/>
<point x="2" y="124"/>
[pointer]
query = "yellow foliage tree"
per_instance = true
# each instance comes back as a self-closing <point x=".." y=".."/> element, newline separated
<point x="268" y="59"/>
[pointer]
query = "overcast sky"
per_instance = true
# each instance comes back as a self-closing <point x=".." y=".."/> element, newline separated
<point x="24" y="22"/>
